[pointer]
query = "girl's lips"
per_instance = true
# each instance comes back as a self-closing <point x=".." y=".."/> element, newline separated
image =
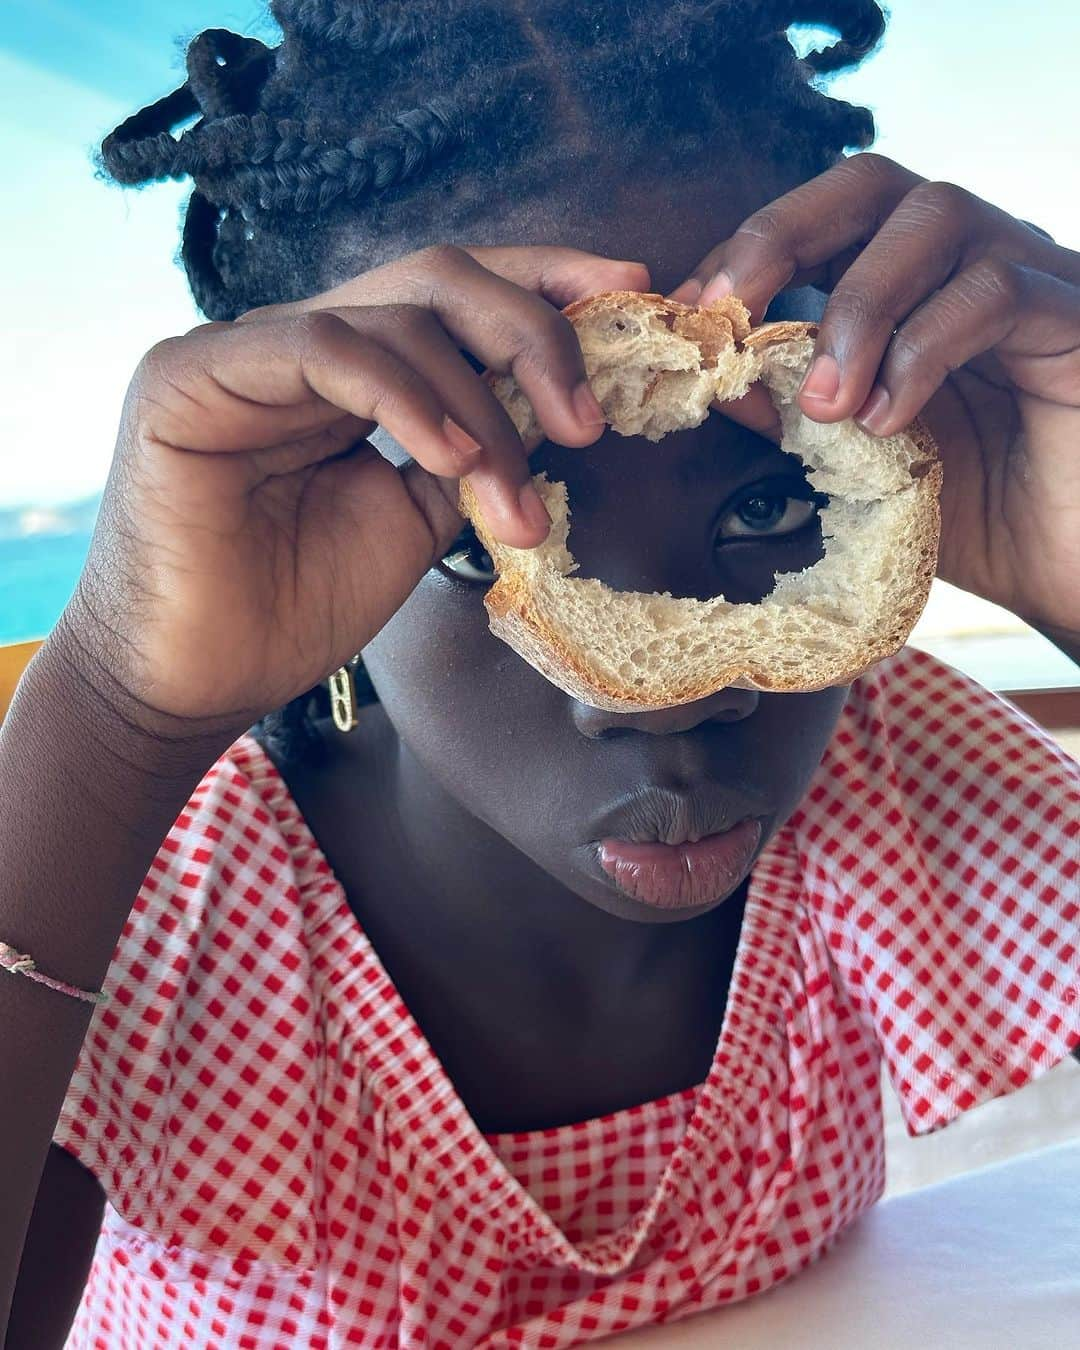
<point x="680" y="876"/>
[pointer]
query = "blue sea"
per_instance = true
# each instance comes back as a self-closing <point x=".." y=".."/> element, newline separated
<point x="37" y="576"/>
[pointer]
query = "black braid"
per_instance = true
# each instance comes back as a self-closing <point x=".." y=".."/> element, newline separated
<point x="254" y="164"/>
<point x="359" y="26"/>
<point x="290" y="731"/>
<point x="378" y="126"/>
<point x="197" y="251"/>
<point x="226" y="72"/>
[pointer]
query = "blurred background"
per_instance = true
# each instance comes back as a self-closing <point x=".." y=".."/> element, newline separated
<point x="979" y="92"/>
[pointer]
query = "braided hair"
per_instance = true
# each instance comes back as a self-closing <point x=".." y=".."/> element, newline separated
<point x="377" y="125"/>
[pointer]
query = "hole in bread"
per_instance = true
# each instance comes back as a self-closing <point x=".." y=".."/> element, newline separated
<point x="814" y="625"/>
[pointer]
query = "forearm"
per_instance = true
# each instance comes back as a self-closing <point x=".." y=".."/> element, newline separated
<point x="86" y="797"/>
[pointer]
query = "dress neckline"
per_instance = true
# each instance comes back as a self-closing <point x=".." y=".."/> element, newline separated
<point x="428" y="1121"/>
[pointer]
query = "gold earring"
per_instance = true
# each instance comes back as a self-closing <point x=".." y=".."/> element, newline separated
<point x="343" y="701"/>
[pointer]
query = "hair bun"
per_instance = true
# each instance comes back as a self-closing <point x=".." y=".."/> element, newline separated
<point x="226" y="71"/>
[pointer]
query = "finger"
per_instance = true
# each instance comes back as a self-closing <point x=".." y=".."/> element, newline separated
<point x="361" y="375"/>
<point x="489" y="449"/>
<point x="562" y="275"/>
<point x="249" y="388"/>
<point x="807" y="236"/>
<point x="936" y="228"/>
<point x="1029" y="319"/>
<point x="513" y="330"/>
<point x="755" y="410"/>
<point x="558" y="275"/>
<point x="507" y="327"/>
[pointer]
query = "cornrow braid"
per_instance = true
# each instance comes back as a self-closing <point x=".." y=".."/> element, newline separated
<point x="224" y="75"/>
<point x="255" y="164"/>
<point x="377" y="126"/>
<point x="359" y="26"/>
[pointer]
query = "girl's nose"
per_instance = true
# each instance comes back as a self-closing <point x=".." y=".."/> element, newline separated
<point x="726" y="705"/>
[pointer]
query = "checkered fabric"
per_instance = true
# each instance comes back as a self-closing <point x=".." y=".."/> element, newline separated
<point x="288" y="1165"/>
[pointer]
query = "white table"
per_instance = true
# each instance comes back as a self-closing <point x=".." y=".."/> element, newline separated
<point x="986" y="1261"/>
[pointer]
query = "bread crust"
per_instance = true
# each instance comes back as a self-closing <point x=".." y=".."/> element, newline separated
<point x="771" y="334"/>
<point x="515" y="618"/>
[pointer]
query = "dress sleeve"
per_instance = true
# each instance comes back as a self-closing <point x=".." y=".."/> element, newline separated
<point x="941" y="838"/>
<point x="203" y="1059"/>
<point x="113" y="1116"/>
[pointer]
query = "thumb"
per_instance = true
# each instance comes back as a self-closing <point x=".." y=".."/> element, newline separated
<point x="562" y="275"/>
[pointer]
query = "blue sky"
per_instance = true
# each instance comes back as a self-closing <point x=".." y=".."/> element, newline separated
<point x="960" y="89"/>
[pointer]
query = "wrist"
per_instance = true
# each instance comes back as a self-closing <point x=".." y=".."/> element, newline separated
<point x="71" y="676"/>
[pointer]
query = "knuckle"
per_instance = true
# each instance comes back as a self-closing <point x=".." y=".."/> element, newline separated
<point x="876" y="167"/>
<point x="442" y="257"/>
<point x="212" y="327"/>
<point x="318" y="329"/>
<point x="395" y="383"/>
<point x="996" y="278"/>
<point x="1038" y="230"/>
<point x="908" y="349"/>
<point x="161" y="359"/>
<point x="948" y="201"/>
<point x="872" y="161"/>
<point x="852" y="306"/>
<point x="411" y="320"/>
<point x="555" y="329"/>
<point x="259" y="314"/>
<point x="548" y="342"/>
<point x="767" y="226"/>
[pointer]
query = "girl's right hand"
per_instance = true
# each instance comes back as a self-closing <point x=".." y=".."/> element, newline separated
<point x="250" y="539"/>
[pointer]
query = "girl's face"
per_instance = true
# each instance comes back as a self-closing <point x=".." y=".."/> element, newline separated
<point x="715" y="509"/>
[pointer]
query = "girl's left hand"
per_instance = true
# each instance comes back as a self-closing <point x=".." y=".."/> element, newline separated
<point x="943" y="306"/>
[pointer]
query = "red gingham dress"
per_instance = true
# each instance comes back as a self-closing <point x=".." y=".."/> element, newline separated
<point x="288" y="1165"/>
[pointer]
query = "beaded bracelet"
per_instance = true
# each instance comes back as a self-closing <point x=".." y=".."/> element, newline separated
<point x="25" y="965"/>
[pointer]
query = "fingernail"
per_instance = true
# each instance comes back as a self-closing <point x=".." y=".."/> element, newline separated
<point x="533" y="508"/>
<point x="873" y="416"/>
<point x="589" y="412"/>
<point x="716" y="289"/>
<point x="822" y="379"/>
<point x="458" y="437"/>
<point x="687" y="293"/>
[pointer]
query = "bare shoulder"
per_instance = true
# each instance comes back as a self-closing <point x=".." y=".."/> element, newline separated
<point x="56" y="1257"/>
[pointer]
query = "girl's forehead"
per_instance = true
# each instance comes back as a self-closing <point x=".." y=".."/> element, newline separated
<point x="666" y="217"/>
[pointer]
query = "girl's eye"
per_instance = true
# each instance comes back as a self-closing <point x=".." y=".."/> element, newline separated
<point x="468" y="560"/>
<point x="770" y="513"/>
<point x="759" y="514"/>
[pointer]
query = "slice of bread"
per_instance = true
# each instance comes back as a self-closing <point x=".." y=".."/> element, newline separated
<point x="656" y="366"/>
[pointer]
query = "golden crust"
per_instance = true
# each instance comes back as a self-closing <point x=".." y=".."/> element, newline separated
<point x="514" y="618"/>
<point x="768" y="334"/>
<point x="728" y="315"/>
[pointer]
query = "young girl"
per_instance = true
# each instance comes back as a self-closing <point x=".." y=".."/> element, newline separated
<point x="397" y="1051"/>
